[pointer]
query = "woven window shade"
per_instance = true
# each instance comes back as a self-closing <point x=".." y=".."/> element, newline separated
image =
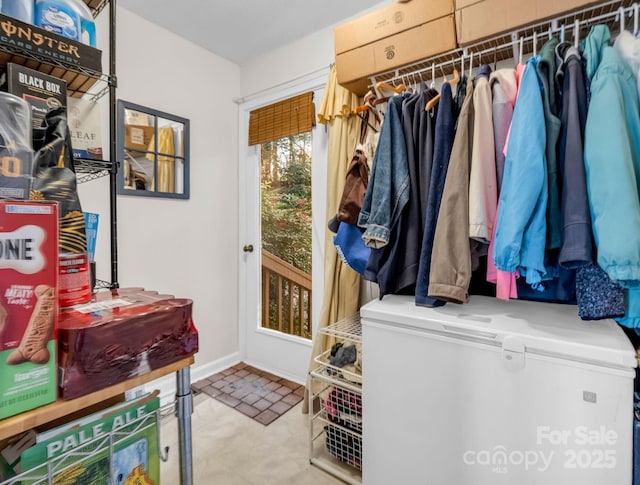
<point x="284" y="118"/>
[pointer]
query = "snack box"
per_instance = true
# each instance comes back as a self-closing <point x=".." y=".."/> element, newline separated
<point x="28" y="304"/>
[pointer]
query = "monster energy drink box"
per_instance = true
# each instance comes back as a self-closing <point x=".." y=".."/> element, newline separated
<point x="20" y="36"/>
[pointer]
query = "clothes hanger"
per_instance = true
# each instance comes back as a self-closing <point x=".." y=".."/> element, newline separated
<point x="433" y="101"/>
<point x="520" y="50"/>
<point x="535" y="43"/>
<point x="635" y="19"/>
<point x="621" y="15"/>
<point x="385" y="86"/>
<point x="576" y="33"/>
<point x="433" y="76"/>
<point x="562" y="34"/>
<point x="470" y="65"/>
<point x="369" y="104"/>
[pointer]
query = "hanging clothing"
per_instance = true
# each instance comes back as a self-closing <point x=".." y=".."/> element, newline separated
<point x="521" y="232"/>
<point x="483" y="191"/>
<point x="166" y="164"/>
<point x="340" y="298"/>
<point x="576" y="249"/>
<point x="546" y="69"/>
<point x="395" y="267"/>
<point x="460" y="96"/>
<point x="425" y="121"/>
<point x="350" y="247"/>
<point x="629" y="48"/>
<point x="504" y="89"/>
<point x="388" y="189"/>
<point x="355" y="186"/>
<point x="451" y="258"/>
<point x="611" y="155"/>
<point x="444" y="132"/>
<point x="592" y="50"/>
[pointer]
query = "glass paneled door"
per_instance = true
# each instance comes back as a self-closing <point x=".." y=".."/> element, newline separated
<point x="282" y="206"/>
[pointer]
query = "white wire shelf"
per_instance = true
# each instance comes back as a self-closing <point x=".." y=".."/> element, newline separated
<point x="348" y="328"/>
<point x="46" y="472"/>
<point x="353" y="421"/>
<point x="328" y="374"/>
<point x="342" y="375"/>
<point x="323" y="460"/>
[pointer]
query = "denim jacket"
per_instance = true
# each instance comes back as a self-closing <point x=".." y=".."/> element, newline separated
<point x="388" y="189"/>
<point x="521" y="230"/>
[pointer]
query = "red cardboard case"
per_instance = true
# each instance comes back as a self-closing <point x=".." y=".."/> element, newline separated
<point x="121" y="334"/>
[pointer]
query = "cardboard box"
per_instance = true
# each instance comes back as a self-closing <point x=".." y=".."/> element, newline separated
<point x="28" y="305"/>
<point x="477" y="20"/>
<point x="355" y="66"/>
<point x="41" y="91"/>
<point x="388" y="21"/>
<point x="138" y="137"/>
<point x="85" y="128"/>
<point x="119" y="445"/>
<point x="47" y="45"/>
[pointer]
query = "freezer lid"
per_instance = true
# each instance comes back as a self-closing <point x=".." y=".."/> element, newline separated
<point x="543" y="328"/>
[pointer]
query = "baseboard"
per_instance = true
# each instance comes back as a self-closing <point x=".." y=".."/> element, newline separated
<point x="276" y="372"/>
<point x="167" y="384"/>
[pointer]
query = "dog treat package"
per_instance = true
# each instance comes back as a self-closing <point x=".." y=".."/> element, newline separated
<point x="55" y="178"/>
<point x="120" y="334"/>
<point x="28" y="305"/>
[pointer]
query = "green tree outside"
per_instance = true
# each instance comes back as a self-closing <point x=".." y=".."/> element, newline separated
<point x="286" y="199"/>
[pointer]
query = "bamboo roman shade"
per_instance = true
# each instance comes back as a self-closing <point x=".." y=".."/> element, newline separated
<point x="284" y="118"/>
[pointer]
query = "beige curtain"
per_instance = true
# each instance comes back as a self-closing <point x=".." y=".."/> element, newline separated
<point x="166" y="165"/>
<point x="341" y="284"/>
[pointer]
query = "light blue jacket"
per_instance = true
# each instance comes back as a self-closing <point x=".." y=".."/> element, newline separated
<point x="388" y="189"/>
<point x="612" y="165"/>
<point x="521" y="230"/>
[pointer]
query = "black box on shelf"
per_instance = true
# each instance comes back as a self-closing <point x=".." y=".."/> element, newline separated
<point x="41" y="91"/>
<point x="19" y="37"/>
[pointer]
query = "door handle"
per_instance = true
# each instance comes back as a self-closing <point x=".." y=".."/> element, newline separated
<point x="248" y="248"/>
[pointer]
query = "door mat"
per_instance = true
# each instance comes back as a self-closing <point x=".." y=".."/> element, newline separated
<point x="254" y="392"/>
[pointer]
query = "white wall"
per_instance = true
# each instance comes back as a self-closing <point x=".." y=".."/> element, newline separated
<point x="190" y="248"/>
<point x="183" y="247"/>
<point x="292" y="61"/>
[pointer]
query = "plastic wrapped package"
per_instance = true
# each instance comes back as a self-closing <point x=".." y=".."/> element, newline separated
<point x="121" y="334"/>
<point x="16" y="154"/>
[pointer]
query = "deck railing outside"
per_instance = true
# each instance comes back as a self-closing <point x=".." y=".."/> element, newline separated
<point x="286" y="297"/>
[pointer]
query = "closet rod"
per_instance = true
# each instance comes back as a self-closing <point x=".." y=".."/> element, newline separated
<point x="505" y="45"/>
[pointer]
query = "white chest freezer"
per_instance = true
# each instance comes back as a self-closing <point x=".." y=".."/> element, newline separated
<point x="494" y="392"/>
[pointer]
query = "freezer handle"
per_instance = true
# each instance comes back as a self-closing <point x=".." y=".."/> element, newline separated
<point x="471" y="332"/>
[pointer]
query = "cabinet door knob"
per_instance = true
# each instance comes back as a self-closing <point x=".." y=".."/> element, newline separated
<point x="248" y="248"/>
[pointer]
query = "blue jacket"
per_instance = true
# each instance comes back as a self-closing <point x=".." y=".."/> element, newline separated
<point x="612" y="164"/>
<point x="521" y="230"/>
<point x="444" y="134"/>
<point x="388" y="189"/>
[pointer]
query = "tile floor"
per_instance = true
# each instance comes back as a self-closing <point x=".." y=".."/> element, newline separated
<point x="229" y="448"/>
<point x="254" y="392"/>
